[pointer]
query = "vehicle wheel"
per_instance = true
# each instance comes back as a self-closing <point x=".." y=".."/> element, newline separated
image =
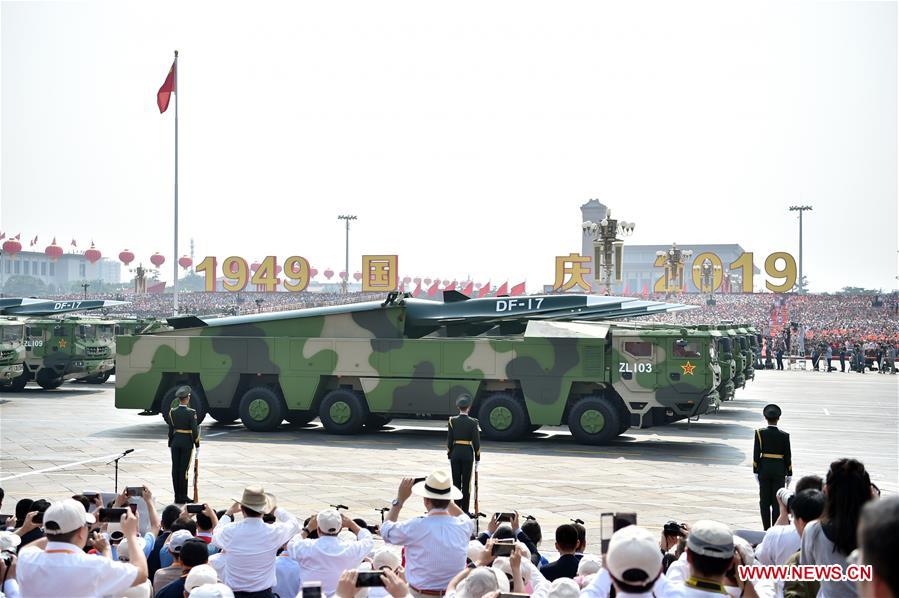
<point x="197" y="402"/>
<point x="376" y="422"/>
<point x="300" y="418"/>
<point x="503" y="417"/>
<point x="223" y="415"/>
<point x="98" y="379"/>
<point x="594" y="420"/>
<point x="261" y="409"/>
<point x="48" y="379"/>
<point x="15" y="385"/>
<point x="343" y="412"/>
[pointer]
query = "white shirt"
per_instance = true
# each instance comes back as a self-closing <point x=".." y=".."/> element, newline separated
<point x="780" y="543"/>
<point x="327" y="557"/>
<point x="71" y="572"/>
<point x="436" y="547"/>
<point x="251" y="546"/>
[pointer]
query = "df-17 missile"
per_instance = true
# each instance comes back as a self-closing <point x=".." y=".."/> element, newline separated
<point x="23" y="306"/>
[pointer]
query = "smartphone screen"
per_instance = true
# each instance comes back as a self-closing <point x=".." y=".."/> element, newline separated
<point x="503" y="548"/>
<point x="312" y="589"/>
<point x="418" y="480"/>
<point x="4" y="519"/>
<point x="194" y="508"/>
<point x="368" y="579"/>
<point x="605" y="531"/>
<point x="38" y="518"/>
<point x="111" y="515"/>
<point x="135" y="490"/>
<point x="133" y="507"/>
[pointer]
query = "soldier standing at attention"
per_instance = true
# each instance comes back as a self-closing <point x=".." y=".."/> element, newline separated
<point x="463" y="448"/>
<point x="771" y="464"/>
<point x="184" y="435"/>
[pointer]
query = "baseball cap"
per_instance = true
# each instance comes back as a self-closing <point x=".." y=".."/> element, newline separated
<point x="386" y="557"/>
<point x="711" y="538"/>
<point x="124" y="548"/>
<point x="564" y="587"/>
<point x="634" y="556"/>
<point x="199" y="576"/>
<point x="589" y="565"/>
<point x="9" y="541"/>
<point x="329" y="521"/>
<point x="212" y="590"/>
<point x="178" y="539"/>
<point x="66" y="516"/>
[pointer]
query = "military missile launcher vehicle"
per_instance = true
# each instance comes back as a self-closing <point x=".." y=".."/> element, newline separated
<point x="55" y="349"/>
<point x="527" y="361"/>
<point x="12" y="350"/>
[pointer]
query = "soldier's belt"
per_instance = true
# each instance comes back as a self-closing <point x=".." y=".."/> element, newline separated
<point x="468" y="442"/>
<point x="185" y="431"/>
<point x="772" y="456"/>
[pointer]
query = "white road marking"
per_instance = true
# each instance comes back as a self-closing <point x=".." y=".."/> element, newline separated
<point x="65" y="466"/>
<point x="216" y="434"/>
<point x="826" y="412"/>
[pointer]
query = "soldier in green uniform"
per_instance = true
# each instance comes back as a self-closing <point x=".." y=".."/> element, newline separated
<point x="184" y="436"/>
<point x="463" y="448"/>
<point x="771" y="463"/>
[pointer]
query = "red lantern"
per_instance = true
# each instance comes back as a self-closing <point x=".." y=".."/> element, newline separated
<point x="157" y="259"/>
<point x="185" y="262"/>
<point x="329" y="273"/>
<point x="427" y="281"/>
<point x="313" y="272"/>
<point x="406" y="280"/>
<point x="53" y="250"/>
<point x="357" y="276"/>
<point x="93" y="254"/>
<point x="417" y="280"/>
<point x="12" y="247"/>
<point x="445" y="283"/>
<point x="255" y="266"/>
<point x="126" y="257"/>
<point x="342" y="275"/>
<point x="277" y="269"/>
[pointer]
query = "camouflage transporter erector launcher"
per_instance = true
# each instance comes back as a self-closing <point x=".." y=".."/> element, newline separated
<point x="527" y="361"/>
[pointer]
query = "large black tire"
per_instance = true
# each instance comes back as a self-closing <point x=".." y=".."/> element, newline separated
<point x="503" y="417"/>
<point x="48" y="379"/>
<point x="594" y="420"/>
<point x="16" y="384"/>
<point x="197" y="401"/>
<point x="223" y="415"/>
<point x="343" y="412"/>
<point x="625" y="417"/>
<point x="300" y="418"/>
<point x="98" y="378"/>
<point x="376" y="422"/>
<point x="261" y="409"/>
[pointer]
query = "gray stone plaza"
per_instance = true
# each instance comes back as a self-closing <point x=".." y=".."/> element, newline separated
<point x="57" y="443"/>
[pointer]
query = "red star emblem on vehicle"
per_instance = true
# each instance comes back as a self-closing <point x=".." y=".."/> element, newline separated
<point x="62" y="343"/>
<point x="688" y="368"/>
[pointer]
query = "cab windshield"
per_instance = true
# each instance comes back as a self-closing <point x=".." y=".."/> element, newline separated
<point x="105" y="331"/>
<point x="87" y="331"/>
<point x="11" y="333"/>
<point x="724" y="345"/>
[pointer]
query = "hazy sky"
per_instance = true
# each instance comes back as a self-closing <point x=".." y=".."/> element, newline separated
<point x="464" y="135"/>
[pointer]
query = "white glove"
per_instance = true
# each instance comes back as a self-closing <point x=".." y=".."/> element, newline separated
<point x="757" y="479"/>
<point x="789" y="479"/>
<point x="196" y="452"/>
<point x="476" y="463"/>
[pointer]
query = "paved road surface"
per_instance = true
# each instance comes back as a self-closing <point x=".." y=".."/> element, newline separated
<point x="57" y="443"/>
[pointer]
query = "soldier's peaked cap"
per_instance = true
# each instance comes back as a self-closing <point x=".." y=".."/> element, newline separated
<point x="182" y="392"/>
<point x="463" y="402"/>
<point x="771" y="411"/>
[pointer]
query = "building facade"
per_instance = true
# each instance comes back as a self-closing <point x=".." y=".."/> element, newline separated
<point x="61" y="273"/>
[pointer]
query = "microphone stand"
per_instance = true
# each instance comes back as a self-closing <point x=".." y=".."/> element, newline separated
<point x="116" y="461"/>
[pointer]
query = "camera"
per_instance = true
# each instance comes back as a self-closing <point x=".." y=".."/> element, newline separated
<point x="785" y="495"/>
<point x="673" y="528"/>
<point x="7" y="558"/>
<point x="312" y="589"/>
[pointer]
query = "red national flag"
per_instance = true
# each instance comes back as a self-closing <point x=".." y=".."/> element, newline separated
<point x="646" y="290"/>
<point x="165" y="92"/>
<point x="34" y="241"/>
<point x="157" y="288"/>
<point x="517" y="290"/>
<point x="624" y="291"/>
<point x="451" y="286"/>
<point x="484" y="290"/>
<point x="503" y="289"/>
<point x="468" y="288"/>
<point x="433" y="290"/>
<point x="74" y="244"/>
<point x="18" y="237"/>
<point x="417" y="291"/>
<point x="2" y="235"/>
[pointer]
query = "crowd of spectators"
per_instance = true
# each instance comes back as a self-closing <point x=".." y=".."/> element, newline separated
<point x="78" y="547"/>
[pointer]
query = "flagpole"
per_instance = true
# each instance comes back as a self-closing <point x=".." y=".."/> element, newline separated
<point x="175" y="256"/>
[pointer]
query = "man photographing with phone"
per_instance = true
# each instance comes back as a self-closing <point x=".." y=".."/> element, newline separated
<point x="436" y="544"/>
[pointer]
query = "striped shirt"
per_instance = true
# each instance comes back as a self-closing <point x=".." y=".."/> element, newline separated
<point x="436" y="547"/>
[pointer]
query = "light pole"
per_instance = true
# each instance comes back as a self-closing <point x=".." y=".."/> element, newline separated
<point x="675" y="258"/>
<point x="800" y="209"/>
<point x="84" y="287"/>
<point x="346" y="268"/>
<point x="607" y="247"/>
<point x="706" y="273"/>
